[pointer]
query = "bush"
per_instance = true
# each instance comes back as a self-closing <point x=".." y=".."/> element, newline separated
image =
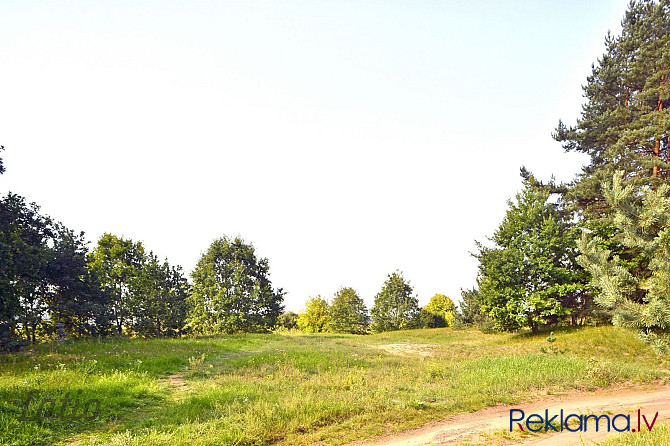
<point x="315" y="317"/>
<point x="9" y="342"/>
<point x="428" y="319"/>
<point x="287" y="321"/>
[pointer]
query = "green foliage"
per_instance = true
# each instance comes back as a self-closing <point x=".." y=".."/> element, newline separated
<point x="76" y="303"/>
<point x="147" y="298"/>
<point x="232" y="291"/>
<point x="429" y="319"/>
<point x="640" y="299"/>
<point x="117" y="263"/>
<point x="46" y="287"/>
<point x="442" y="306"/>
<point x="287" y="321"/>
<point x="551" y="348"/>
<point x="51" y="286"/>
<point x="24" y="234"/>
<point x="348" y="313"/>
<point x="469" y="310"/>
<point x="623" y="127"/>
<point x="439" y="312"/>
<point x="161" y="293"/>
<point x="624" y="123"/>
<point x="2" y="166"/>
<point x="395" y="307"/>
<point x="530" y="277"/>
<point x="315" y="318"/>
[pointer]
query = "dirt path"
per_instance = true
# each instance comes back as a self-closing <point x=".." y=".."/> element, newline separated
<point x="468" y="427"/>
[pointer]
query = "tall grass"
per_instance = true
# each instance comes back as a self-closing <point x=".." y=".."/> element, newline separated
<point x="300" y="389"/>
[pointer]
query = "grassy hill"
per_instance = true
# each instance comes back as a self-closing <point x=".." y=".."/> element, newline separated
<point x="297" y="388"/>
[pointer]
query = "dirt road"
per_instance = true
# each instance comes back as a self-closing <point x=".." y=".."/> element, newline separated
<point x="469" y="426"/>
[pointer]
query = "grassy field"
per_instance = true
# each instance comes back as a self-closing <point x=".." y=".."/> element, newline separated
<point x="298" y="388"/>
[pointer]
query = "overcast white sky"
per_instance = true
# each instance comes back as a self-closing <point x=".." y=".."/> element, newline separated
<point x="344" y="139"/>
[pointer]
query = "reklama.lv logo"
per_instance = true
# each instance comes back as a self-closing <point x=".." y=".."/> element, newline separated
<point x="577" y="423"/>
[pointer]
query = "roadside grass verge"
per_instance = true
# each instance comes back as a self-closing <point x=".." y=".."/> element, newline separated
<point x="301" y="389"/>
<point x="658" y="436"/>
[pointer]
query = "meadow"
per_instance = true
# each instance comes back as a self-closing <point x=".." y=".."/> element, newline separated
<point x="292" y="388"/>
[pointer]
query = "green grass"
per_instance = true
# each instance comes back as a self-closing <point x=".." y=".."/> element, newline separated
<point x="658" y="436"/>
<point x="301" y="389"/>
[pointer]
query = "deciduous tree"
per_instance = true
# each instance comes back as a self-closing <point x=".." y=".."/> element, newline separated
<point x="348" y="313"/>
<point x="161" y="293"/>
<point x="288" y="320"/>
<point x="395" y="307"/>
<point x="24" y="234"/>
<point x="315" y="317"/>
<point x="232" y="290"/>
<point x="529" y="275"/>
<point x="442" y="306"/>
<point x="117" y="263"/>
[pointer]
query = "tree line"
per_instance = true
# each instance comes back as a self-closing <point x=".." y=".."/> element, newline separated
<point x="595" y="250"/>
<point x="396" y="307"/>
<point x="52" y="286"/>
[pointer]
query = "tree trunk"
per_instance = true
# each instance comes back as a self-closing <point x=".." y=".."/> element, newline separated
<point x="625" y="104"/>
<point x="657" y="154"/>
<point x="657" y="144"/>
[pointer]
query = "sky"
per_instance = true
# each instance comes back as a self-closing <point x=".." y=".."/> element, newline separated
<point x="344" y="139"/>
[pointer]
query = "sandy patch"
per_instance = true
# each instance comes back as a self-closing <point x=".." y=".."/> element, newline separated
<point x="177" y="381"/>
<point x="407" y="349"/>
<point x="472" y="426"/>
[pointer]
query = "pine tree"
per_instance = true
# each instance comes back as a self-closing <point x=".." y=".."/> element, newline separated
<point x="469" y="310"/>
<point x="640" y="299"/>
<point x="623" y="127"/>
<point x="625" y="122"/>
<point x="76" y="304"/>
<point x="2" y="166"/>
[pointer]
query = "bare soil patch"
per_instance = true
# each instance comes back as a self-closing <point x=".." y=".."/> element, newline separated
<point x="407" y="349"/>
<point x="177" y="381"/>
<point x="476" y="426"/>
